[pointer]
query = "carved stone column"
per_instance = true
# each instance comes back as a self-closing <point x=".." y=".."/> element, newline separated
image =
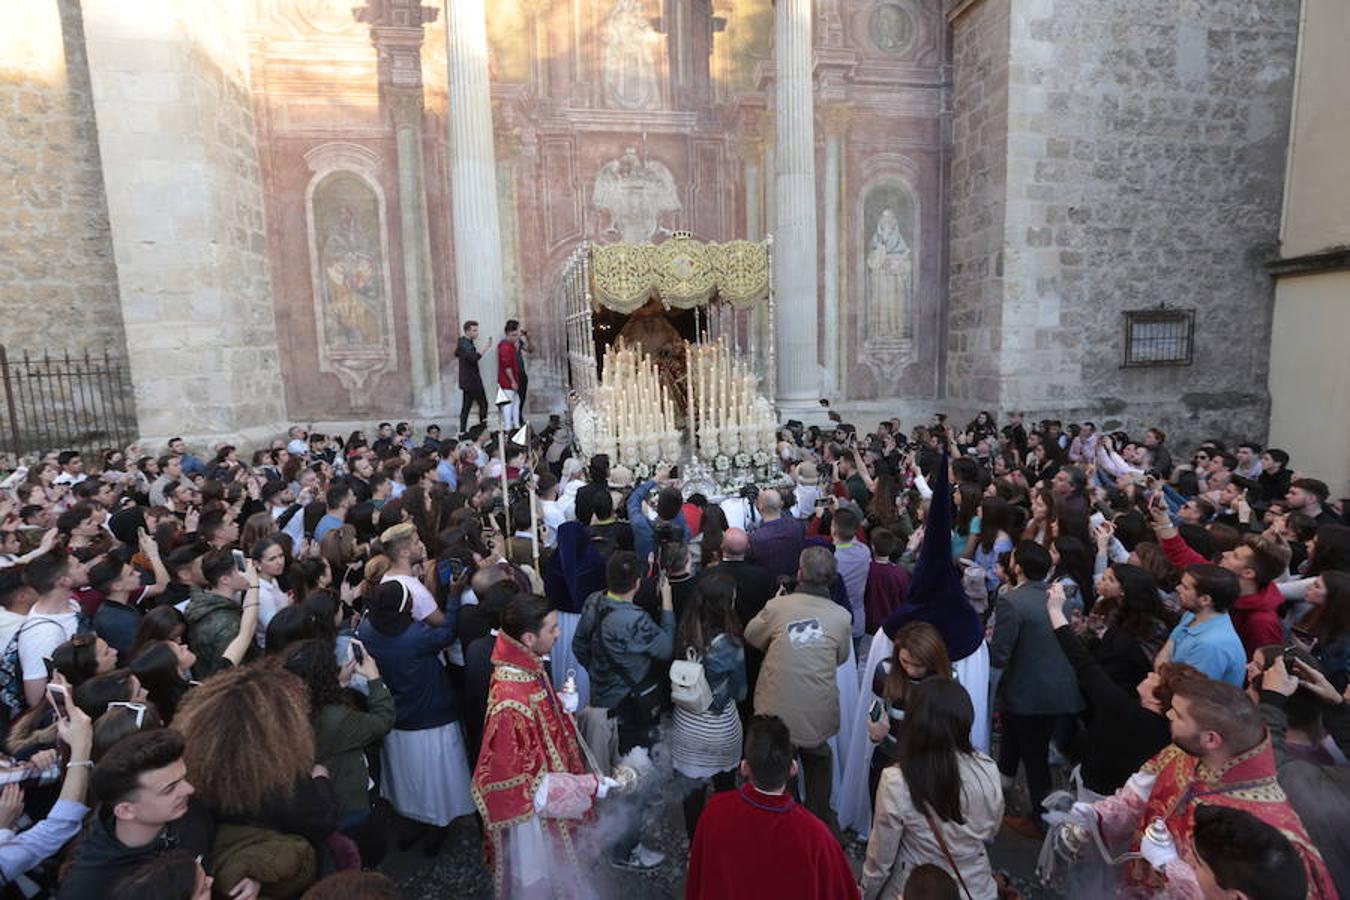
<point x="795" y="253"/>
<point x="396" y="31"/>
<point x="835" y="120"/>
<point x="473" y="178"/>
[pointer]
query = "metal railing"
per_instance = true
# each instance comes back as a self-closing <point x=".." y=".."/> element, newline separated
<point x="66" y="401"/>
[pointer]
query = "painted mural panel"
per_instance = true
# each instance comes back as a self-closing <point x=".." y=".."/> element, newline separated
<point x="353" y="308"/>
<point x="889" y="220"/>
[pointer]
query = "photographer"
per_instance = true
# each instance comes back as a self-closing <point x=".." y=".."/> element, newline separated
<point x="621" y="647"/>
<point x="669" y="511"/>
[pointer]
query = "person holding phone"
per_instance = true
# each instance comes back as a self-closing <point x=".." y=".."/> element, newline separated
<point x="24" y="850"/>
<point x="54" y="618"/>
<point x="621" y="649"/>
<point x="342" y="731"/>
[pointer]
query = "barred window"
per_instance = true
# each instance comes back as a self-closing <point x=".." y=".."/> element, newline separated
<point x="1159" y="337"/>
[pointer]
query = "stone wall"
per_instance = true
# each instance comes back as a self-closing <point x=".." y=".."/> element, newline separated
<point x="58" y="283"/>
<point x="176" y="134"/>
<point x="979" y="179"/>
<point x="1145" y="151"/>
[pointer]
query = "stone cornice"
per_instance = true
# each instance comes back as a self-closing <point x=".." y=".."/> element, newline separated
<point x="1336" y="259"/>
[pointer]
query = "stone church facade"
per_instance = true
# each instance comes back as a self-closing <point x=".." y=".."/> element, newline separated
<point x="280" y="210"/>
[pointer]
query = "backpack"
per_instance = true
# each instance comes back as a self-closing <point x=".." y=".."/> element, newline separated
<point x="11" y="671"/>
<point x="11" y="680"/>
<point x="689" y="688"/>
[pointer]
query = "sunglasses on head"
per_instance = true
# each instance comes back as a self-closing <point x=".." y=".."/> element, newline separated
<point x="139" y="709"/>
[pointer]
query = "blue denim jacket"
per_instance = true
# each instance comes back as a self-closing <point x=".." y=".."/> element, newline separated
<point x="724" y="667"/>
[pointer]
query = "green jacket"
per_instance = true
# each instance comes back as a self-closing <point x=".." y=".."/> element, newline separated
<point x="213" y="621"/>
<point x="341" y="735"/>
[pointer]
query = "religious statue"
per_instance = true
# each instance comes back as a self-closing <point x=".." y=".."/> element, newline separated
<point x="650" y="331"/>
<point x="352" y="283"/>
<point x="626" y="42"/>
<point x="890" y="278"/>
<point x="635" y="194"/>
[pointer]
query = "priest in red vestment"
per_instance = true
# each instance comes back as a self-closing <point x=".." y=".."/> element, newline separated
<point x="1220" y="756"/>
<point x="758" y="842"/>
<point x="532" y="784"/>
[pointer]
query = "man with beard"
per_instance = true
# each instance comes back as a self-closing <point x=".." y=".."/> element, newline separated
<point x="1220" y="756"/>
<point x="531" y="784"/>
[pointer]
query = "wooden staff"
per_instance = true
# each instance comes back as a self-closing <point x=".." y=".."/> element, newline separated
<point x="534" y="526"/>
<point x="506" y="490"/>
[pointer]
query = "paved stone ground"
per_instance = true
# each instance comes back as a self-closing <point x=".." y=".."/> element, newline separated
<point x="458" y="871"/>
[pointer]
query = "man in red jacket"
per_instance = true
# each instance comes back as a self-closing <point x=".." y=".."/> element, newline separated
<point x="758" y="842"/>
<point x="1257" y="563"/>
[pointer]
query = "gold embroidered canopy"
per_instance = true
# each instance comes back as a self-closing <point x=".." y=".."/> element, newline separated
<point x="681" y="273"/>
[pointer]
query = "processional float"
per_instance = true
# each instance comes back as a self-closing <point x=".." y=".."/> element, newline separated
<point x="649" y="396"/>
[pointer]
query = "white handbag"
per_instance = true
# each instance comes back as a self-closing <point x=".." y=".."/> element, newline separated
<point x="689" y="688"/>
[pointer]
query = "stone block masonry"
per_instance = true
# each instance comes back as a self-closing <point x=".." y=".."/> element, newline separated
<point x="1144" y="158"/>
<point x="176" y="132"/>
<point x="58" y="282"/>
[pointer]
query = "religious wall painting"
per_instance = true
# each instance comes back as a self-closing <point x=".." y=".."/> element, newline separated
<point x="628" y="46"/>
<point x="509" y="46"/>
<point x="636" y="194"/>
<point x="890" y="217"/>
<point x="743" y="48"/>
<point x="349" y="264"/>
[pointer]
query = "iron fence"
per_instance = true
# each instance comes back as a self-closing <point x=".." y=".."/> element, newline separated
<point x="66" y="401"/>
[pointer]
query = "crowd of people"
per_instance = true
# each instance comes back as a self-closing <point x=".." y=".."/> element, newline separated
<point x="252" y="676"/>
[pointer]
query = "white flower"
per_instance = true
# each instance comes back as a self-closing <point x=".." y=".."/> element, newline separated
<point x="721" y="463"/>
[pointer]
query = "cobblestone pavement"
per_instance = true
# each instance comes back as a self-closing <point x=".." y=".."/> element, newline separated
<point x="458" y="871"/>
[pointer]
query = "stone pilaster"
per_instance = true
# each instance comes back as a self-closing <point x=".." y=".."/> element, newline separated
<point x="473" y="177"/>
<point x="795" y="253"/>
<point x="835" y="120"/>
<point x="396" y="32"/>
<point x="185" y="202"/>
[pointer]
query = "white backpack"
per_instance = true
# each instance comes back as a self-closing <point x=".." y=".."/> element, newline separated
<point x="689" y="688"/>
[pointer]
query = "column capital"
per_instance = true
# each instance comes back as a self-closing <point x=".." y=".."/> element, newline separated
<point x="836" y="118"/>
<point x="396" y="32"/>
<point x="406" y="106"/>
<point x="750" y="149"/>
<point x="396" y="14"/>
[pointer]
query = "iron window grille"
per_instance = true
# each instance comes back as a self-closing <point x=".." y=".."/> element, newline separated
<point x="1159" y="337"/>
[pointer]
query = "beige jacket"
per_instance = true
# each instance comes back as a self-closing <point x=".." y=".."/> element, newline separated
<point x="805" y="639"/>
<point x="901" y="838"/>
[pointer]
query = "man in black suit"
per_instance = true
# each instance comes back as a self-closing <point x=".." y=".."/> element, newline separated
<point x="470" y="377"/>
<point x="754" y="587"/>
<point x="1039" y="686"/>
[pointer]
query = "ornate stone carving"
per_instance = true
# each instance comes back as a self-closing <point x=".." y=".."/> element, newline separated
<point x="636" y="193"/>
<point x="891" y="27"/>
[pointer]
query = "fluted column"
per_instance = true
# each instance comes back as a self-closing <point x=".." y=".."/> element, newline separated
<point x="473" y="178"/>
<point x="795" y="186"/>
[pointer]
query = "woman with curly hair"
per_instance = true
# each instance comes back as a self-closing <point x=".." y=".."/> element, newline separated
<point x="250" y="753"/>
<point x="342" y="731"/>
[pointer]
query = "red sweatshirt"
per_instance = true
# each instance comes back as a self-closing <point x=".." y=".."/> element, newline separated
<point x="1255" y="616"/>
<point x="752" y="845"/>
